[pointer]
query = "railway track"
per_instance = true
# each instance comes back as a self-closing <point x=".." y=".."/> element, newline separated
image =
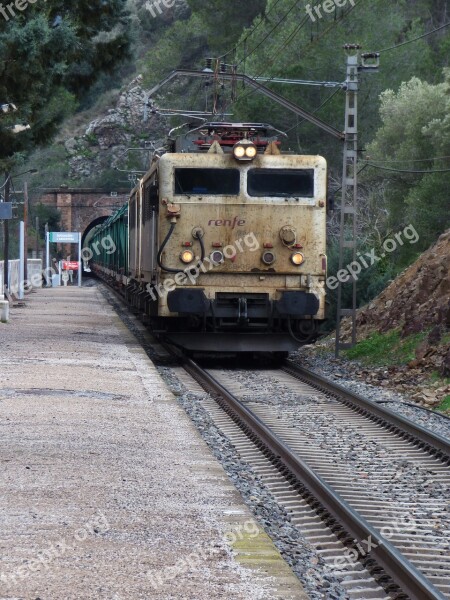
<point x="374" y="509"/>
<point x="288" y="425"/>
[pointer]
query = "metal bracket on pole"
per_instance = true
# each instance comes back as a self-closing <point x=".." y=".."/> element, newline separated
<point x="347" y="238"/>
<point x="262" y="89"/>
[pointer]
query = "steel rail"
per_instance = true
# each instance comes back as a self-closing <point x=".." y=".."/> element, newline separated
<point x="428" y="440"/>
<point x="404" y="575"/>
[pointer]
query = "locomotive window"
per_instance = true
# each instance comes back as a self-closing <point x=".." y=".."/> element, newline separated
<point x="213" y="182"/>
<point x="281" y="182"/>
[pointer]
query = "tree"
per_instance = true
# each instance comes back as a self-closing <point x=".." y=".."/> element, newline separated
<point x="224" y="20"/>
<point x="413" y="139"/>
<point x="50" y="54"/>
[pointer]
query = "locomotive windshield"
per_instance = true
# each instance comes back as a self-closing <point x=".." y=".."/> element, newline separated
<point x="281" y="182"/>
<point x="213" y="182"/>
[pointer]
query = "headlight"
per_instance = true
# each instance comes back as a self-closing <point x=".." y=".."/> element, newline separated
<point x="245" y="150"/>
<point x="297" y="259"/>
<point x="251" y="151"/>
<point x="187" y="256"/>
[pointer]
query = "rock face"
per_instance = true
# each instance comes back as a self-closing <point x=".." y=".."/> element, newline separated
<point x="105" y="141"/>
<point x="417" y="300"/>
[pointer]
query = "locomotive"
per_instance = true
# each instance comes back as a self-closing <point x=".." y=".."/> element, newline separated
<point x="222" y="244"/>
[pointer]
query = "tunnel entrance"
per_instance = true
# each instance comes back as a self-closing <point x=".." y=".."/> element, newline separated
<point x="86" y="237"/>
<point x="90" y="230"/>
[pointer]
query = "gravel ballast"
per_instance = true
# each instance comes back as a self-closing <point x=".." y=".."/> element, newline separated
<point x="340" y="372"/>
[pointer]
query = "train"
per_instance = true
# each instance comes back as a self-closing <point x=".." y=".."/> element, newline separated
<point x="222" y="244"/>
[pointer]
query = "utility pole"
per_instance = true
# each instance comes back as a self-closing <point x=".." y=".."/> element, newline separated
<point x="6" y="237"/>
<point x="349" y="202"/>
<point x="37" y="237"/>
<point x="25" y="234"/>
<point x="47" y="258"/>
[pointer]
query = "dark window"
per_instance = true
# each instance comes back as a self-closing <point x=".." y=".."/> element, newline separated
<point x="133" y="213"/>
<point x="150" y="200"/>
<point x="212" y="182"/>
<point x="281" y="182"/>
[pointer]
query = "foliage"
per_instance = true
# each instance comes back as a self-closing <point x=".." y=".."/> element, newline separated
<point x="371" y="280"/>
<point x="49" y="71"/>
<point x="413" y="136"/>
<point x="179" y="48"/>
<point x="47" y="215"/>
<point x="289" y="44"/>
<point x="445" y="404"/>
<point x="386" y="348"/>
<point x="51" y="54"/>
<point x="224" y="20"/>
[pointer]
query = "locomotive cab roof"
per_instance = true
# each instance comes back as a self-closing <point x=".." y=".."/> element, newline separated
<point x="199" y="139"/>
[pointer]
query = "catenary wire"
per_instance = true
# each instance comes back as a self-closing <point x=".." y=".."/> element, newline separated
<point x="293" y="7"/>
<point x="316" y="110"/>
<point x="414" y="39"/>
<point x="410" y="159"/>
<point x="406" y="170"/>
<point x="250" y="33"/>
<point x="278" y="53"/>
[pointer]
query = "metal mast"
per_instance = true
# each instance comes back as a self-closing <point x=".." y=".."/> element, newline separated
<point x="347" y="238"/>
<point x="348" y="220"/>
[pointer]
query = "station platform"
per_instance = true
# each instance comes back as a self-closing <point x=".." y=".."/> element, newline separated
<point x="108" y="491"/>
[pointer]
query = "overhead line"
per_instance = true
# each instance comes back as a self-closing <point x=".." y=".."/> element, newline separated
<point x="250" y="33"/>
<point x="411" y="160"/>
<point x="296" y="3"/>
<point x="405" y="170"/>
<point x="293" y="34"/>
<point x="316" y="110"/>
<point x="414" y="39"/>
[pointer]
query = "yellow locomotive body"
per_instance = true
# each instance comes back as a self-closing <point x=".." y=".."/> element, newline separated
<point x="227" y="252"/>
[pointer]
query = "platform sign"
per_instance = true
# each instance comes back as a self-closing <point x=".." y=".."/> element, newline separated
<point x="65" y="237"/>
<point x="5" y="210"/>
<point x="69" y="265"/>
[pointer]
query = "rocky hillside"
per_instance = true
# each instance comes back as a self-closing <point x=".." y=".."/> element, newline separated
<point x="104" y="143"/>
<point x="417" y="300"/>
<point x="410" y="322"/>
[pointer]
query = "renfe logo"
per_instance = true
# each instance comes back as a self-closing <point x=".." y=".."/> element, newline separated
<point x="227" y="222"/>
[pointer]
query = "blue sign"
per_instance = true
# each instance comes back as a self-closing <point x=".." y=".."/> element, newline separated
<point x="5" y="210"/>
<point x="64" y="237"/>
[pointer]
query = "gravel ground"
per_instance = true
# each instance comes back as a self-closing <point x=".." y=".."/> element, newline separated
<point x="383" y="474"/>
<point x="338" y="371"/>
<point x="309" y="567"/>
<point x="101" y="495"/>
<point x="317" y="579"/>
